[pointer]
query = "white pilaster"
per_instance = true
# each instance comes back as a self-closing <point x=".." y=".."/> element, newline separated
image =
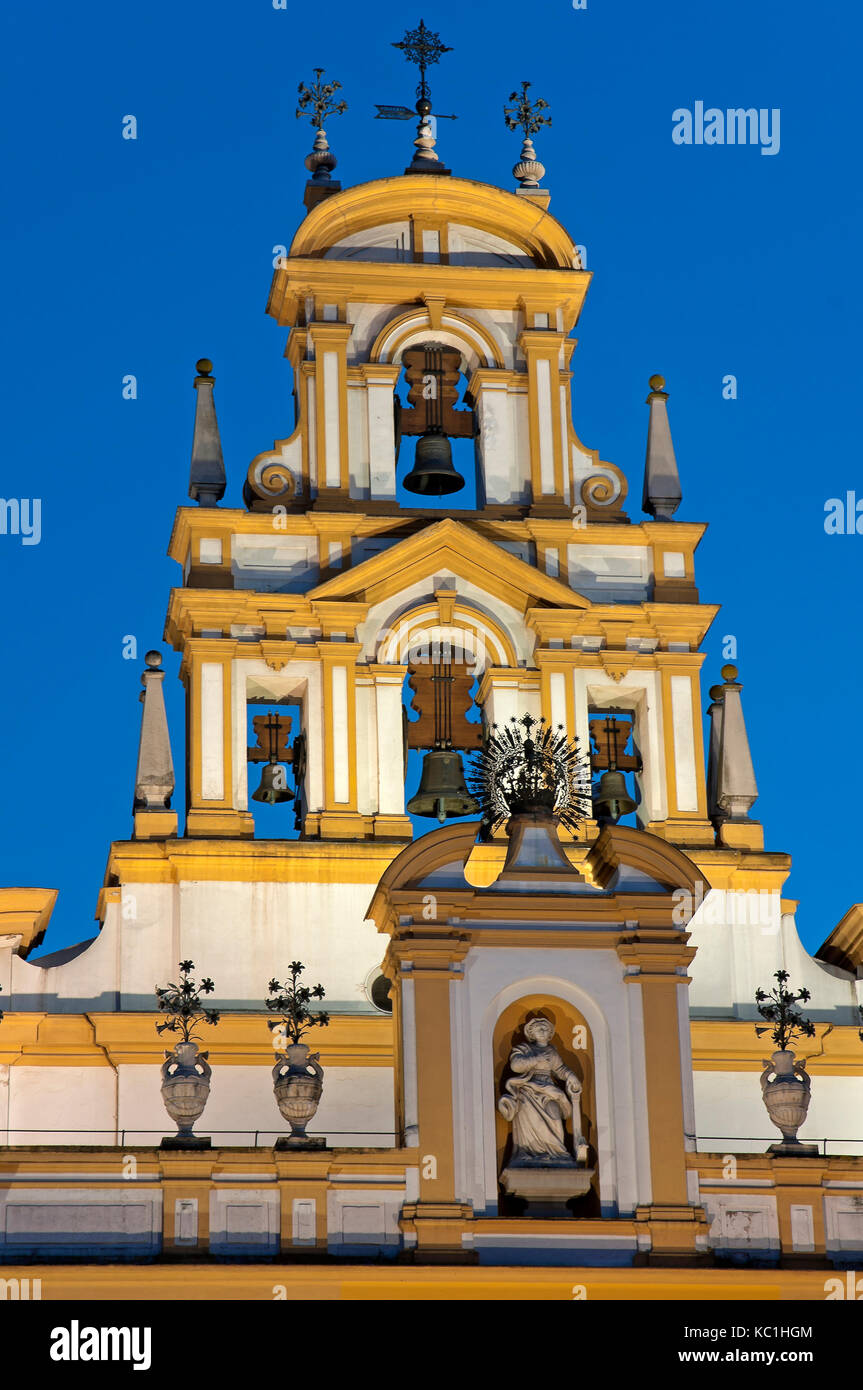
<point x="212" y="732"/>
<point x="390" y="751"/>
<point x="332" y="437"/>
<point x="382" y="447"/>
<point x="546" y="435"/>
<point x="684" y="743"/>
<point x="341" y="744"/>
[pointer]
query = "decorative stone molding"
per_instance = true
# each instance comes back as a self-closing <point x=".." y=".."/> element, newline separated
<point x="24" y="916"/>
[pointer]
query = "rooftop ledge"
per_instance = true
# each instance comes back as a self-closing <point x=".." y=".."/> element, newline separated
<point x="25" y="913"/>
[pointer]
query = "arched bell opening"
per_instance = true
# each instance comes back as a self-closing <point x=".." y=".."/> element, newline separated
<point x="572" y="1041"/>
<point x="442" y="726"/>
<point x="435" y="431"/>
<point x="615" y="763"/>
<point x="276" y="758"/>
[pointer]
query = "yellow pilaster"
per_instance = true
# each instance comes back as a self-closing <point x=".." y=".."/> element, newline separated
<point x="340" y="818"/>
<point x="557" y="694"/>
<point x="541" y="349"/>
<point x="436" y="1219"/>
<point x="672" y="1221"/>
<point x="210" y="757"/>
<point x="687" y="819"/>
<point x="330" y="343"/>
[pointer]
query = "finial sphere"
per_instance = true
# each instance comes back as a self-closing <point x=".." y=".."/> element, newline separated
<point x="657" y="383"/>
<point x="715" y="692"/>
<point x="729" y="673"/>
<point x="153" y="660"/>
<point x="203" y="366"/>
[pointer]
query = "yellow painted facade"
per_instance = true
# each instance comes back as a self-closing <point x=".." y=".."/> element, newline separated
<point x="316" y="595"/>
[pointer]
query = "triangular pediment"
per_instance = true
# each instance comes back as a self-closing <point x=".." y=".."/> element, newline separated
<point x="449" y="545"/>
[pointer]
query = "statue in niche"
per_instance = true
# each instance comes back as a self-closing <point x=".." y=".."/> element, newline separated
<point x="536" y="1106"/>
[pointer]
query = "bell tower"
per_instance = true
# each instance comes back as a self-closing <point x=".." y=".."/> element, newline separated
<point x="338" y="569"/>
<point x="430" y="551"/>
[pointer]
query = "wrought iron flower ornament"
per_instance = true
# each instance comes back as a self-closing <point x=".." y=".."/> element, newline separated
<point x="291" y="1001"/>
<point x="317" y="102"/>
<point x="529" y="766"/>
<point x="182" y="1004"/>
<point x="526" y="113"/>
<point x="780" y="1010"/>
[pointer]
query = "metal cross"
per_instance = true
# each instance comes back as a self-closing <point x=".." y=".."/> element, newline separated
<point x="422" y="47"/>
<point x="316" y="101"/>
<point x="526" y="113"/>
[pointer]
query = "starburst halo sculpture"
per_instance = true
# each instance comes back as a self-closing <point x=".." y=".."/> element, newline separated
<point x="528" y="767"/>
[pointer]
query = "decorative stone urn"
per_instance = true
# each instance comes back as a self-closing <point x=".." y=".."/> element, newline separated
<point x="785" y="1086"/>
<point x="298" y="1081"/>
<point x="185" y="1088"/>
<point x="528" y="170"/>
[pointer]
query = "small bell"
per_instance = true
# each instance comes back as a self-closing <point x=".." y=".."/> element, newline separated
<point x="274" y="785"/>
<point x="433" y="473"/>
<point x="611" y="800"/>
<point x="442" y="792"/>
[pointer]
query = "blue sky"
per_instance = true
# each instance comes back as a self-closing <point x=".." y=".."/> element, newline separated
<point x="141" y="256"/>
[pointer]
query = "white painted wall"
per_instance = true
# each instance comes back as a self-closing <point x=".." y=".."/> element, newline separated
<point x="742" y="940"/>
<point x="65" y="1100"/>
<point x="731" y="1117"/>
<point x="240" y="934"/>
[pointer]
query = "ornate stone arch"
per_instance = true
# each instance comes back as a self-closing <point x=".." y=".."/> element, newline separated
<point x="477" y="346"/>
<point x="462" y="625"/>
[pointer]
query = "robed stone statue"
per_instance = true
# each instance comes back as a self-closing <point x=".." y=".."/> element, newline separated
<point x="537" y="1099"/>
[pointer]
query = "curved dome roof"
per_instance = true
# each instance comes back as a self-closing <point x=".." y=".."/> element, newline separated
<point x="486" y="226"/>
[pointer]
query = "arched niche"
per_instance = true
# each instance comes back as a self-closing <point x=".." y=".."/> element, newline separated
<point x="570" y="1028"/>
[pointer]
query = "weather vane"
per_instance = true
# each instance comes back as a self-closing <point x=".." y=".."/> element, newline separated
<point x="316" y="103"/>
<point x="528" y="115"/>
<point x="422" y="47"/>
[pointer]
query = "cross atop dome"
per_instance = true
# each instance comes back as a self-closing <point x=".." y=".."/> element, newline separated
<point x="423" y="48"/>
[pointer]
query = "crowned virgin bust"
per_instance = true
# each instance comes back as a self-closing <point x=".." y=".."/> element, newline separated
<point x="538" y="1097"/>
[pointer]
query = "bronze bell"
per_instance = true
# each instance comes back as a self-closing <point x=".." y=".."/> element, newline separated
<point x="274" y="786"/>
<point x="442" y="792"/>
<point x="433" y="473"/>
<point x="611" y="800"/>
